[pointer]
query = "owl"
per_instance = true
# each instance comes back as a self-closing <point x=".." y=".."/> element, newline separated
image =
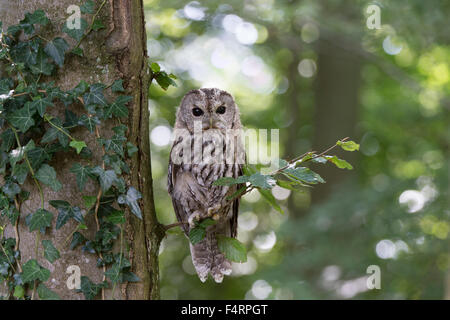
<point x="207" y="146"/>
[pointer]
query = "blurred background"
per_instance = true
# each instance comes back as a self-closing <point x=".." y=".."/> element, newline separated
<point x="319" y="71"/>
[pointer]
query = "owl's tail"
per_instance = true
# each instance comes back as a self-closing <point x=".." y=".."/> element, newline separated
<point x="207" y="258"/>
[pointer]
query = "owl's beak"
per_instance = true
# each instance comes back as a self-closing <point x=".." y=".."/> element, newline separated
<point x="210" y="123"/>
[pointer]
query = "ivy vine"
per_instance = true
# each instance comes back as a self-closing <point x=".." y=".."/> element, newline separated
<point x="34" y="128"/>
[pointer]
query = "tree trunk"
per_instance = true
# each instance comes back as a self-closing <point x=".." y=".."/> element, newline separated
<point x="116" y="52"/>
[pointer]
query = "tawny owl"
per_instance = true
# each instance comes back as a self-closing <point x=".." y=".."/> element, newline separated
<point x="207" y="146"/>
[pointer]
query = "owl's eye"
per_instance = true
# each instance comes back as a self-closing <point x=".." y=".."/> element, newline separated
<point x="221" y="110"/>
<point x="197" y="112"/>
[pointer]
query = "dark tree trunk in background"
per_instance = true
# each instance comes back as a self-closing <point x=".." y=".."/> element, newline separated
<point x="118" y="51"/>
<point x="336" y="108"/>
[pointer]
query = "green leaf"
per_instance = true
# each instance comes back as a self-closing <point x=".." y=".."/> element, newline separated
<point x="78" y="51"/>
<point x="118" y="107"/>
<point x="37" y="17"/>
<point x="229" y="181"/>
<point x="41" y="105"/>
<point x="164" y="80"/>
<point x="89" y="122"/>
<point x="89" y="201"/>
<point x="8" y="140"/>
<point x="117" y="86"/>
<point x="341" y="164"/>
<point x="116" y="217"/>
<point x="65" y="212"/>
<point x="77" y="239"/>
<point x="11" y="189"/>
<point x="56" y="49"/>
<point x="82" y="173"/>
<point x="131" y="200"/>
<point x="262" y="181"/>
<point x="95" y="95"/>
<point x="47" y="175"/>
<point x="46" y="294"/>
<point x="106" y="177"/>
<point x="131" y="149"/>
<point x="22" y="118"/>
<point x="155" y="67"/>
<point x="87" y="7"/>
<point x="348" y="145"/>
<point x="50" y="252"/>
<point x="90" y="289"/>
<point x="40" y="219"/>
<point x="19" y="292"/>
<point x="33" y="271"/>
<point x="268" y="196"/>
<point x="232" y="249"/>
<point x="97" y="25"/>
<point x="197" y="234"/>
<point x="77" y="145"/>
<point x="304" y="174"/>
<point x="42" y="65"/>
<point x="20" y="172"/>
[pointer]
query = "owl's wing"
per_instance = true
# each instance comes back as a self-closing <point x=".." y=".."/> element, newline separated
<point x="171" y="180"/>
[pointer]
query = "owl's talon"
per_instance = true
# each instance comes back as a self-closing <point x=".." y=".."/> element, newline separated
<point x="193" y="219"/>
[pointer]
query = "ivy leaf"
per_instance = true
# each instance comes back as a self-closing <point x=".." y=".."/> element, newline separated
<point x="65" y="212"/>
<point x="89" y="201"/>
<point x="56" y="49"/>
<point x="82" y="173"/>
<point x="46" y="294"/>
<point x="118" y="107"/>
<point x="90" y="289"/>
<point x="117" y="86"/>
<point x="37" y="156"/>
<point x="115" y="144"/>
<point x="116" y="217"/>
<point x="40" y="219"/>
<point x="20" y="172"/>
<point x="42" y="65"/>
<point x="268" y="196"/>
<point x="50" y="252"/>
<point x="41" y="105"/>
<point x="89" y="122"/>
<point x="78" y="51"/>
<point x="47" y="175"/>
<point x="131" y="200"/>
<point x="19" y="292"/>
<point x="77" y="145"/>
<point x="37" y="17"/>
<point x="33" y="271"/>
<point x="232" y="249"/>
<point x="11" y="189"/>
<point x="76" y="33"/>
<point x="131" y="149"/>
<point x="8" y="139"/>
<point x="87" y="7"/>
<point x="95" y="95"/>
<point x="97" y="25"/>
<point x="77" y="239"/>
<point x="22" y="118"/>
<point x="106" y="177"/>
<point x="348" y="145"/>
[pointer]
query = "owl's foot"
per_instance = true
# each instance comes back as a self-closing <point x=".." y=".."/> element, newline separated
<point x="213" y="212"/>
<point x="193" y="219"/>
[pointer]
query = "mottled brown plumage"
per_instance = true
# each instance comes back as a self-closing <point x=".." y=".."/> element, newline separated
<point x="206" y="147"/>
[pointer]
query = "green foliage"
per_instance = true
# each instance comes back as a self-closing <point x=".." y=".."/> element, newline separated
<point x="232" y="249"/>
<point x="27" y="108"/>
<point x="164" y="79"/>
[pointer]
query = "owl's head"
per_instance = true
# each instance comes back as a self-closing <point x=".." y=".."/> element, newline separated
<point x="212" y="108"/>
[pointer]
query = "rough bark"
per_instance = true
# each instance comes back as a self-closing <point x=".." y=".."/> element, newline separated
<point x="119" y="51"/>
